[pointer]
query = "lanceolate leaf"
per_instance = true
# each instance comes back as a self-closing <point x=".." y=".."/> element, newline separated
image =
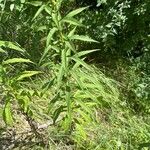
<point x="71" y="33"/>
<point x="50" y="35"/>
<point x="27" y="74"/>
<point x="57" y="113"/>
<point x="7" y="115"/>
<point x="24" y="103"/>
<point x="75" y="12"/>
<point x="16" y="60"/>
<point x="84" y="106"/>
<point x="71" y="46"/>
<point x="2" y="51"/>
<point x="60" y="77"/>
<point x="11" y="45"/>
<point x="48" y="10"/>
<point x="82" y="53"/>
<point x="39" y="11"/>
<point x="35" y="3"/>
<point x="83" y="38"/>
<point x="81" y="62"/>
<point x="72" y="21"/>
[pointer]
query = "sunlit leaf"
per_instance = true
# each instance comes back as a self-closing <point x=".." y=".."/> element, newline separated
<point x="83" y="38"/>
<point x="71" y="33"/>
<point x="11" y="45"/>
<point x="7" y="114"/>
<point x="35" y="3"/>
<point x="50" y="35"/>
<point x="16" y="60"/>
<point x="72" y="21"/>
<point x="39" y="11"/>
<point x="81" y="62"/>
<point x="60" y="76"/>
<point x="48" y="9"/>
<point x="2" y="51"/>
<point x="57" y="113"/>
<point x="82" y="53"/>
<point x="75" y="12"/>
<point x="27" y="74"/>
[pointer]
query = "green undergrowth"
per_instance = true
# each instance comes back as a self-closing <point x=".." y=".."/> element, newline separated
<point x="109" y="124"/>
<point x="51" y="98"/>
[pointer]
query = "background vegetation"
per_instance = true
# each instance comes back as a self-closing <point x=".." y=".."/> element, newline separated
<point x="74" y="74"/>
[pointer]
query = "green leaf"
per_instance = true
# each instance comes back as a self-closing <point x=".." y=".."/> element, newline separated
<point x="60" y="77"/>
<point x="27" y="74"/>
<point x="81" y="62"/>
<point x="23" y="104"/>
<point x="50" y="35"/>
<point x="48" y="10"/>
<point x="41" y="28"/>
<point x="58" y="4"/>
<point x="69" y="108"/>
<point x="72" y="21"/>
<point x="63" y="59"/>
<point x="35" y="3"/>
<point x="7" y="115"/>
<point x="82" y="53"/>
<point x="71" y="46"/>
<point x="2" y="51"/>
<point x="78" y="80"/>
<point x="81" y="131"/>
<point x="57" y="113"/>
<point x="16" y="60"/>
<point x="84" y="106"/>
<point x="11" y="45"/>
<point x="55" y="19"/>
<point x="57" y="49"/>
<point x="45" y="53"/>
<point x="83" y="38"/>
<point x="71" y="33"/>
<point x="39" y="11"/>
<point x="75" y="12"/>
<point x="77" y="64"/>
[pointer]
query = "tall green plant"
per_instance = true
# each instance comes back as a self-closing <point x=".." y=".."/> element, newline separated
<point x="77" y="87"/>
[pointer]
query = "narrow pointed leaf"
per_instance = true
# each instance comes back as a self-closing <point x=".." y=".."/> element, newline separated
<point x="39" y="11"/>
<point x="71" y="33"/>
<point x="27" y="74"/>
<point x="16" y="60"/>
<point x="60" y="77"/>
<point x="72" y="21"/>
<point x="7" y="115"/>
<point x="57" y="113"/>
<point x="11" y="45"/>
<point x="50" y="35"/>
<point x="2" y="51"/>
<point x="81" y="62"/>
<point x="83" y="38"/>
<point x="45" y="53"/>
<point x="35" y="3"/>
<point x="48" y="10"/>
<point x="82" y="53"/>
<point x="75" y="12"/>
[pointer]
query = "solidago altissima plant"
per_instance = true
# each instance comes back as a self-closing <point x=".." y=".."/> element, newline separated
<point x="70" y="103"/>
<point x="77" y="88"/>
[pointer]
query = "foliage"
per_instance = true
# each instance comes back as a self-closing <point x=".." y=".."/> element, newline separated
<point x="52" y="78"/>
<point x="121" y="27"/>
